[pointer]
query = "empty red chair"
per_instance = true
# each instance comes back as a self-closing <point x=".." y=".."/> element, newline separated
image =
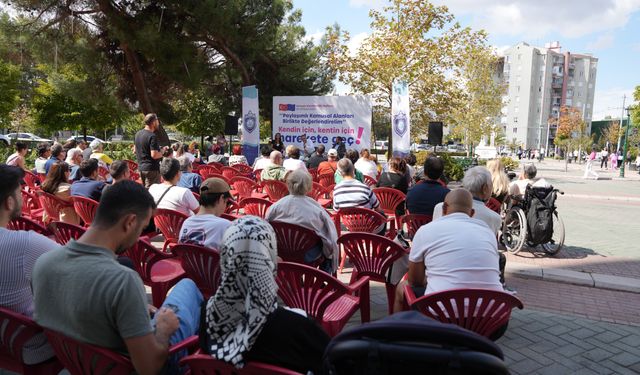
<point x="52" y="205"/>
<point x="275" y="189"/>
<point x="229" y="172"/>
<point x="160" y="271"/>
<point x="314" y="174"/>
<point x="133" y="166"/>
<point x="16" y="331"/>
<point x="372" y="256"/>
<point x="370" y="181"/>
<point x="202" y="265"/>
<point x="215" y="165"/>
<point x="255" y="206"/>
<point x="258" y="175"/>
<point x="204" y="364"/>
<point x="243" y="169"/>
<point x="293" y="242"/>
<point x="357" y="219"/>
<point x="390" y="199"/>
<point x="32" y="180"/>
<point x="31" y="206"/>
<point x="65" y="232"/>
<point x="169" y="222"/>
<point x="326" y="180"/>
<point x="24" y="223"/>
<point x="479" y="310"/>
<point x="322" y="296"/>
<point x="85" y="208"/>
<point x="207" y="171"/>
<point x="414" y="222"/>
<point x="246" y="188"/>
<point x="321" y="195"/>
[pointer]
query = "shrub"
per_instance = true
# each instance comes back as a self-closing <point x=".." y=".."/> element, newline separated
<point x="453" y="167"/>
<point x="120" y="151"/>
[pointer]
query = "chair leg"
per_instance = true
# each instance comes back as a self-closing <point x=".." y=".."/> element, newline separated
<point x="391" y="296"/>
<point x="365" y="304"/>
<point x="343" y="257"/>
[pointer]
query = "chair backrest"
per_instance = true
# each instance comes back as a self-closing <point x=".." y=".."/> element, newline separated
<point x="229" y="172"/>
<point x="494" y="205"/>
<point x="65" y="232"/>
<point x="275" y="189"/>
<point x="204" y="364"/>
<point x="326" y="179"/>
<point x="103" y="172"/>
<point x="317" y="191"/>
<point x="15" y="331"/>
<point x="202" y="265"/>
<point x="389" y="199"/>
<point x="232" y="208"/>
<point x="358" y="219"/>
<point x="30" y="202"/>
<point x="215" y="164"/>
<point x="24" y="223"/>
<point x="243" y="169"/>
<point x="370" y="181"/>
<point x="85" y="359"/>
<point x="243" y="185"/>
<point x="85" y="208"/>
<point x="196" y="196"/>
<point x="255" y="206"/>
<point x="134" y="176"/>
<point x="314" y="174"/>
<point x="52" y="205"/>
<point x="371" y="254"/>
<point x="293" y="241"/>
<point x="32" y="180"/>
<point x="144" y="255"/>
<point x="308" y="288"/>
<point x="414" y="222"/>
<point x="258" y="175"/>
<point x="169" y="222"/>
<point x="207" y="171"/>
<point x="133" y="166"/>
<point x="479" y="310"/>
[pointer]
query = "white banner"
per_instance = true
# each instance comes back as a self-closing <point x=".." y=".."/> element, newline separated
<point x="250" y="124"/>
<point x="400" y="119"/>
<point x="322" y="119"/>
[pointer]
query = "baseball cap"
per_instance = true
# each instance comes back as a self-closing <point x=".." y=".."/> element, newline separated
<point x="214" y="185"/>
<point x="332" y="152"/>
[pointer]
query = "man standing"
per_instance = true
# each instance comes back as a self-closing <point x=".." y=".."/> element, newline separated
<point x="148" y="151"/>
<point x="424" y="196"/>
<point x="308" y="148"/>
<point x="340" y="147"/>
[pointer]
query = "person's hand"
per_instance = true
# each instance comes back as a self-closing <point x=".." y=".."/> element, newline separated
<point x="166" y="322"/>
<point x="152" y="309"/>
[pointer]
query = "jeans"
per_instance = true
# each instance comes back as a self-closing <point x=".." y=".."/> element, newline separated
<point x="313" y="254"/>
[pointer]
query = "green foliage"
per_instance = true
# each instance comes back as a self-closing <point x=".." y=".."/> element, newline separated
<point x="120" y="151"/>
<point x="509" y="163"/>
<point x="9" y="91"/>
<point x="201" y="113"/>
<point x="453" y="167"/>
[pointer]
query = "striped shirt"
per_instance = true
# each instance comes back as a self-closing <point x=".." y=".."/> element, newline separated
<point x="353" y="193"/>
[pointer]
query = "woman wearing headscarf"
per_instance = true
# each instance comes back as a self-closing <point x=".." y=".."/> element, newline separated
<point x="242" y="322"/>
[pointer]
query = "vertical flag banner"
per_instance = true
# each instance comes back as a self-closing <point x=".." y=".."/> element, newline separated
<point x="400" y="118"/>
<point x="250" y="125"/>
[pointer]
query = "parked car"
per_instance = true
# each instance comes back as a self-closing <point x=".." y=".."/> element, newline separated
<point x="382" y="145"/>
<point x="4" y="140"/>
<point x="27" y="137"/>
<point x="90" y="139"/>
<point x="421" y="147"/>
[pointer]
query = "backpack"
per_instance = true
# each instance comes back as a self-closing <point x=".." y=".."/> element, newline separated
<point x="540" y="214"/>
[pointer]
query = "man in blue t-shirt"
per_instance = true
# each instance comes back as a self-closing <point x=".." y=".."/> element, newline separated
<point x="423" y="197"/>
<point x="87" y="186"/>
<point x="188" y="179"/>
<point x="57" y="154"/>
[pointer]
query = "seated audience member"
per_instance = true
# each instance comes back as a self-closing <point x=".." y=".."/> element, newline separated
<point x="168" y="195"/>
<point x="499" y="179"/>
<point x="316" y="158"/>
<point x="263" y="160"/>
<point x="74" y="159"/>
<point x="275" y="170"/>
<point x="17" y="158"/>
<point x="81" y="291"/>
<point x="453" y="260"/>
<point x="19" y="251"/>
<point x="256" y="328"/>
<point x="70" y="145"/>
<point x="88" y="186"/>
<point x="237" y="157"/>
<point x="188" y="179"/>
<point x="411" y="161"/>
<point x="330" y="166"/>
<point x="395" y="177"/>
<point x="57" y="154"/>
<point x="353" y="156"/>
<point x="351" y="192"/>
<point x="97" y="153"/>
<point x="57" y="184"/>
<point x="527" y="177"/>
<point x="299" y="209"/>
<point x="119" y="171"/>
<point x="365" y="165"/>
<point x="207" y="227"/>
<point x="44" y="152"/>
<point x="86" y="150"/>
<point x="188" y="154"/>
<point x="294" y="162"/>
<point x="423" y="197"/>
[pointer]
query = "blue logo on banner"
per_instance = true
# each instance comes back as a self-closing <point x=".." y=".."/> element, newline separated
<point x="250" y="121"/>
<point x="400" y="124"/>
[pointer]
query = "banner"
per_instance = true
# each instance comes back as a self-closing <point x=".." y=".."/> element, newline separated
<point x="250" y="124"/>
<point x="400" y="119"/>
<point x="322" y="119"/>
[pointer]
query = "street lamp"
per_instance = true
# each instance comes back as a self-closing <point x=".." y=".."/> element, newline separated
<point x="626" y="138"/>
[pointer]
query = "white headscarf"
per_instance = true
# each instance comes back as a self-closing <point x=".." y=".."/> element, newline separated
<point x="247" y="294"/>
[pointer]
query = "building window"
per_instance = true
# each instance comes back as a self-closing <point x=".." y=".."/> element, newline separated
<point x="515" y="130"/>
<point x="539" y="89"/>
<point x="515" y="119"/>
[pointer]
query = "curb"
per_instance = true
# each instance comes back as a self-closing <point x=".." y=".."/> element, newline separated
<point x="602" y="197"/>
<point x="560" y="275"/>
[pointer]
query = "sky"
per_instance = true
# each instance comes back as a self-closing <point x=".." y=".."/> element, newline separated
<point x="607" y="29"/>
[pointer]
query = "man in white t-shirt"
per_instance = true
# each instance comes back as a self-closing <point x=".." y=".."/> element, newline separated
<point x="455" y="251"/>
<point x="527" y="177"/>
<point x="168" y="195"/>
<point x="294" y="162"/>
<point x="207" y="227"/>
<point x="308" y="148"/>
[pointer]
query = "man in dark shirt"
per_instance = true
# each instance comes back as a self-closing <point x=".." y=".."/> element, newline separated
<point x="317" y="157"/>
<point x="341" y="147"/>
<point x="148" y="151"/>
<point x="423" y="197"/>
<point x="87" y="186"/>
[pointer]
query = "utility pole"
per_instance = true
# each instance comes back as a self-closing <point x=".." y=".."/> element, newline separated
<point x="624" y="97"/>
<point x="626" y="141"/>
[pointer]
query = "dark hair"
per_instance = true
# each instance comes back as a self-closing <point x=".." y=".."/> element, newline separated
<point x="398" y="164"/>
<point x="20" y="146"/>
<point x="433" y="167"/>
<point x="320" y="150"/>
<point x="55" y="177"/>
<point x="120" y="199"/>
<point x="294" y="153"/>
<point x="87" y="167"/>
<point x="69" y="145"/>
<point x="410" y="159"/>
<point x="56" y="150"/>
<point x="43" y="148"/>
<point x="265" y="150"/>
<point x="118" y="169"/>
<point x="352" y="155"/>
<point x="169" y="168"/>
<point x="150" y="118"/>
<point x="210" y="199"/>
<point x="276" y="137"/>
<point x="10" y="181"/>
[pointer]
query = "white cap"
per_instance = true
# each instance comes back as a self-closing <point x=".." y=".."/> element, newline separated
<point x="332" y="152"/>
<point x="94" y="144"/>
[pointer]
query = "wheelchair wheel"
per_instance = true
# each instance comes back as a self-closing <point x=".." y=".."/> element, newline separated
<point x="514" y="230"/>
<point x="557" y="240"/>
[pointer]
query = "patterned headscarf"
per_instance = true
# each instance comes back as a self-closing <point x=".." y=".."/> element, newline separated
<point x="247" y="294"/>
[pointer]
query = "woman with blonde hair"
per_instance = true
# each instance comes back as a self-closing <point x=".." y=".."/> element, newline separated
<point x="499" y="178"/>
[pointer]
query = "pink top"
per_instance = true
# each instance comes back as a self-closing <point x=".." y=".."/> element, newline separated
<point x="592" y="156"/>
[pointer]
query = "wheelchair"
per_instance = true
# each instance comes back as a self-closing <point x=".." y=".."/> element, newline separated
<point x="518" y="218"/>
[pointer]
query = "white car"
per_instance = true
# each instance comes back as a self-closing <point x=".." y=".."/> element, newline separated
<point x="27" y="137"/>
<point x="90" y="139"/>
<point x="4" y="140"/>
<point x="382" y="145"/>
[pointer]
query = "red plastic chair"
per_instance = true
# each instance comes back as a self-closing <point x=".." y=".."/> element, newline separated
<point x="326" y="180"/>
<point x="255" y="206"/>
<point x="358" y="219"/>
<point x="321" y="195"/>
<point x="65" y="232"/>
<point x="215" y="164"/>
<point x="483" y="311"/>
<point x="275" y="189"/>
<point x="243" y="169"/>
<point x="24" y="223"/>
<point x="169" y="222"/>
<point x="257" y="174"/>
<point x="293" y="241"/>
<point x="86" y="359"/>
<point x="52" y="205"/>
<point x="370" y="181"/>
<point x="494" y="205"/>
<point x="32" y="180"/>
<point x="245" y="188"/>
<point x="160" y="271"/>
<point x="207" y="171"/>
<point x="31" y="206"/>
<point x="233" y="208"/>
<point x="104" y="173"/>
<point x="17" y="330"/>
<point x="414" y="222"/>
<point x="85" y="208"/>
<point x="202" y="265"/>
<point x="204" y="364"/>
<point x="390" y="199"/>
<point x="372" y="256"/>
<point x="229" y="172"/>
<point x="133" y="166"/>
<point x="322" y="296"/>
<point x="314" y="174"/>
<point x="134" y="176"/>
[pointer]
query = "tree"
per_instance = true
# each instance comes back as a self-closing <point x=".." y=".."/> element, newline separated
<point x="571" y="134"/>
<point x="9" y="91"/>
<point x="201" y="113"/>
<point x="611" y="134"/>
